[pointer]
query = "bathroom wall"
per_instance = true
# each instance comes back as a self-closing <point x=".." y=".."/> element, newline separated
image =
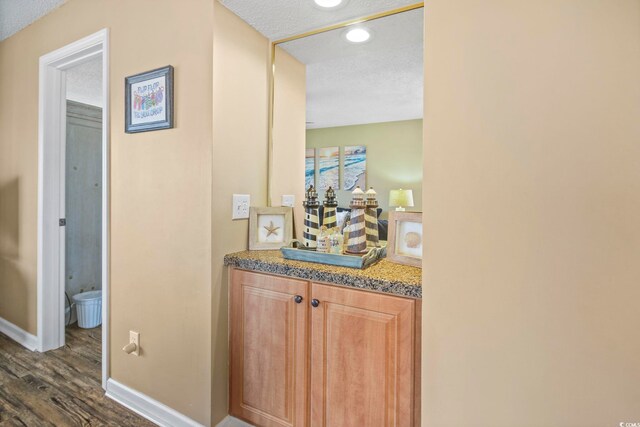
<point x="532" y="208"/>
<point x="394" y="157"/>
<point x="83" y="198"/>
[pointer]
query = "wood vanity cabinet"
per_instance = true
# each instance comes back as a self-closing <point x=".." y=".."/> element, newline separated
<point x="310" y="354"/>
<point x="268" y="349"/>
<point x="361" y="358"/>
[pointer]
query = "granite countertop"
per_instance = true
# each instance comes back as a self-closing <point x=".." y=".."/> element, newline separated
<point x="384" y="276"/>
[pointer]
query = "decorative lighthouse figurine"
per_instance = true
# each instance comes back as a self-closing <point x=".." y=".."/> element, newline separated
<point x="357" y="243"/>
<point x="371" y="218"/>
<point x="330" y="203"/>
<point x="311" y="220"/>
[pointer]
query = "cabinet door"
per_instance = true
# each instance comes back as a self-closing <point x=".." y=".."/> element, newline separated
<point x="268" y="349"/>
<point x="362" y="355"/>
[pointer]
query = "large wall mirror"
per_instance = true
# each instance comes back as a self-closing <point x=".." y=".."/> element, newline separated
<point x="364" y="105"/>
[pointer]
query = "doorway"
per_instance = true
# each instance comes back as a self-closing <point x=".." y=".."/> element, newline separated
<point x="73" y="195"/>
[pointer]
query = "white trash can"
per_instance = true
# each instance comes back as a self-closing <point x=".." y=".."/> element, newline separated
<point x="89" y="309"/>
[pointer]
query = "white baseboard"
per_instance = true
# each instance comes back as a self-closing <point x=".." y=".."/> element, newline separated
<point x="19" y="335"/>
<point x="230" y="421"/>
<point x="147" y="407"/>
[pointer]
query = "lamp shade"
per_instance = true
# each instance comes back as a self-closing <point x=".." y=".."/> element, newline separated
<point x="401" y="198"/>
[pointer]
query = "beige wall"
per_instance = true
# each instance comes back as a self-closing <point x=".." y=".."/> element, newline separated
<point x="161" y="209"/>
<point x="240" y="112"/>
<point x="290" y="100"/>
<point x="394" y="157"/>
<point x="532" y="190"/>
<point x="18" y="184"/>
<point x="160" y="191"/>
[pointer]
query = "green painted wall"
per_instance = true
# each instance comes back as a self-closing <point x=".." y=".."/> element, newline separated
<point x="394" y="156"/>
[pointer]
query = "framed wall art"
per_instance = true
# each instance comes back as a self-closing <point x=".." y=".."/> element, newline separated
<point x="270" y="228"/>
<point x="309" y="168"/>
<point x="405" y="238"/>
<point x="328" y="168"/>
<point x="355" y="167"/>
<point x="149" y="101"/>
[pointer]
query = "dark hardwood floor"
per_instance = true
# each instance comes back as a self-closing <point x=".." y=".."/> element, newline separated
<point x="58" y="388"/>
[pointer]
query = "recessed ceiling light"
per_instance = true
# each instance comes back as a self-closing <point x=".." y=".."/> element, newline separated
<point x="358" y="35"/>
<point x="328" y="3"/>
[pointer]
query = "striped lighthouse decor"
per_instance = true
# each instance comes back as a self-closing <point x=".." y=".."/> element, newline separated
<point x="357" y="243"/>
<point x="329" y="218"/>
<point x="371" y="218"/>
<point x="311" y="219"/>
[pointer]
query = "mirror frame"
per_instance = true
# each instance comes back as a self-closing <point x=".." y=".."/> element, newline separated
<point x="272" y="75"/>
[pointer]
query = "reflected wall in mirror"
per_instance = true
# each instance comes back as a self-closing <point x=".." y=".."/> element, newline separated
<point x="366" y="99"/>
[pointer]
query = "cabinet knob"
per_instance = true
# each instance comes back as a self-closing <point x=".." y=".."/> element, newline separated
<point x="297" y="299"/>
<point x="315" y="302"/>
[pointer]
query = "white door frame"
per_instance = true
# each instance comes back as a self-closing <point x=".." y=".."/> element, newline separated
<point x="51" y="189"/>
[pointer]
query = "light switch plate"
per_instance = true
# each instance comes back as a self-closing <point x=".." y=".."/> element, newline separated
<point x="288" y="200"/>
<point x="241" y="203"/>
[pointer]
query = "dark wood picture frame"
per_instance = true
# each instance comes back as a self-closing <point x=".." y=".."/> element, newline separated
<point x="392" y="255"/>
<point x="167" y="100"/>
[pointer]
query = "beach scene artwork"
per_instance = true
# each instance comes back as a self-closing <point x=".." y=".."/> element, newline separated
<point x="310" y="167"/>
<point x="328" y="168"/>
<point x="355" y="167"/>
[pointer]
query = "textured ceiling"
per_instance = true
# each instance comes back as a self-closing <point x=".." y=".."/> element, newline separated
<point x="377" y="81"/>
<point x="347" y="84"/>
<point x="84" y="83"/>
<point x="277" y="19"/>
<point x="17" y="14"/>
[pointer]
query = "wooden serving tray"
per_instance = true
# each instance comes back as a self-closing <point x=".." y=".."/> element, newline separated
<point x="346" y="260"/>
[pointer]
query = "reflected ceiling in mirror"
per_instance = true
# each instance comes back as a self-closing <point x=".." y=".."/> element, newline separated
<point x="380" y="80"/>
<point x="277" y="19"/>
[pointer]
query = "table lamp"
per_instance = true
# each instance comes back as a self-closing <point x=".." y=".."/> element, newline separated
<point x="401" y="198"/>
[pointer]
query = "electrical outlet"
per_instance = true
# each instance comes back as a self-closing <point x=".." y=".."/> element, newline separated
<point x="134" y="338"/>
<point x="241" y="203"/>
<point x="288" y="200"/>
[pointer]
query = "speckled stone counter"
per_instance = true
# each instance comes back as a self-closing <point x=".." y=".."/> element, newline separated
<point x="384" y="276"/>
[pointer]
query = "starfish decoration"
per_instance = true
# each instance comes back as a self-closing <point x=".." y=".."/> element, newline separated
<point x="271" y="229"/>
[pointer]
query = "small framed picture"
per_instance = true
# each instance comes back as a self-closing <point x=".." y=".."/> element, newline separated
<point x="270" y="228"/>
<point x="405" y="238"/>
<point x="149" y="101"/>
